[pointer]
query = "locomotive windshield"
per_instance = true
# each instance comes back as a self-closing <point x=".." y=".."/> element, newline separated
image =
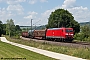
<point x="68" y="30"/>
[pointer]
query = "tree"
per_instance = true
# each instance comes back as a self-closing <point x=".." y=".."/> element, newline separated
<point x="17" y="27"/>
<point x="17" y="31"/>
<point x="62" y="18"/>
<point x="4" y="29"/>
<point x="86" y="31"/>
<point x="1" y="28"/>
<point x="10" y="27"/>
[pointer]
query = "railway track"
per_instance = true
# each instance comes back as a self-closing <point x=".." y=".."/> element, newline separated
<point x="68" y="44"/>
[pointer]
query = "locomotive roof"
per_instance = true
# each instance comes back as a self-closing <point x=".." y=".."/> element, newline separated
<point x="58" y="28"/>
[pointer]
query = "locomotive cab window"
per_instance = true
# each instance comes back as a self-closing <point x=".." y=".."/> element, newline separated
<point x="67" y="30"/>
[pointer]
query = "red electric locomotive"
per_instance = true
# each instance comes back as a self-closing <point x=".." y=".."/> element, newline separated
<point x="64" y="34"/>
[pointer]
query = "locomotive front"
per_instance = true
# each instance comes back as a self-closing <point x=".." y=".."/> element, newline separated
<point x="69" y="33"/>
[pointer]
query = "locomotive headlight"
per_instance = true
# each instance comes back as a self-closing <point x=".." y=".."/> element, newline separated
<point x="71" y="34"/>
<point x="66" y="34"/>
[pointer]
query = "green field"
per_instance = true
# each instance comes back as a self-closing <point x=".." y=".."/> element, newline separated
<point x="10" y="52"/>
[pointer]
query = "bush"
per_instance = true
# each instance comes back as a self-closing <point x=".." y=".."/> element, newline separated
<point x="88" y="39"/>
<point x="79" y="36"/>
<point x="17" y="36"/>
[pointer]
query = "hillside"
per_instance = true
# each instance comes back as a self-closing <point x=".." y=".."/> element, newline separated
<point x="84" y="23"/>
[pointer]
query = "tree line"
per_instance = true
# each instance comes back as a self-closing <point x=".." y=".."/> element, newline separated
<point x="9" y="28"/>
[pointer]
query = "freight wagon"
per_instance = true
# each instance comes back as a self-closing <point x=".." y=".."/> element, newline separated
<point x="25" y="34"/>
<point x="39" y="33"/>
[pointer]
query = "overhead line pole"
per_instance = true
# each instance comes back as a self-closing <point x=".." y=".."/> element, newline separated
<point x="31" y="25"/>
<point x="36" y="23"/>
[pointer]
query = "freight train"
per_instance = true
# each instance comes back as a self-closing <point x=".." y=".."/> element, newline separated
<point x="61" y="34"/>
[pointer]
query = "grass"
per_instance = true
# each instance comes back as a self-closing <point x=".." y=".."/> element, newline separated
<point x="8" y="52"/>
<point x="77" y="52"/>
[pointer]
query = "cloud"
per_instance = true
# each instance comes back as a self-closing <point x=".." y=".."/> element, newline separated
<point x="43" y="1"/>
<point x="32" y="1"/>
<point x="35" y="1"/>
<point x="4" y="14"/>
<point x="68" y="3"/>
<point x="80" y="13"/>
<point x="31" y="15"/>
<point x="14" y="1"/>
<point x="17" y="8"/>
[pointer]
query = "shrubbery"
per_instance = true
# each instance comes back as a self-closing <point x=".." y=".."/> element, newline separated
<point x="84" y="35"/>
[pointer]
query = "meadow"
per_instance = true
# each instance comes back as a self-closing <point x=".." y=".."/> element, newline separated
<point x="10" y="52"/>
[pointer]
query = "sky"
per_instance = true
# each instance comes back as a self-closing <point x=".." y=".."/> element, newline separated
<point x="22" y="11"/>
